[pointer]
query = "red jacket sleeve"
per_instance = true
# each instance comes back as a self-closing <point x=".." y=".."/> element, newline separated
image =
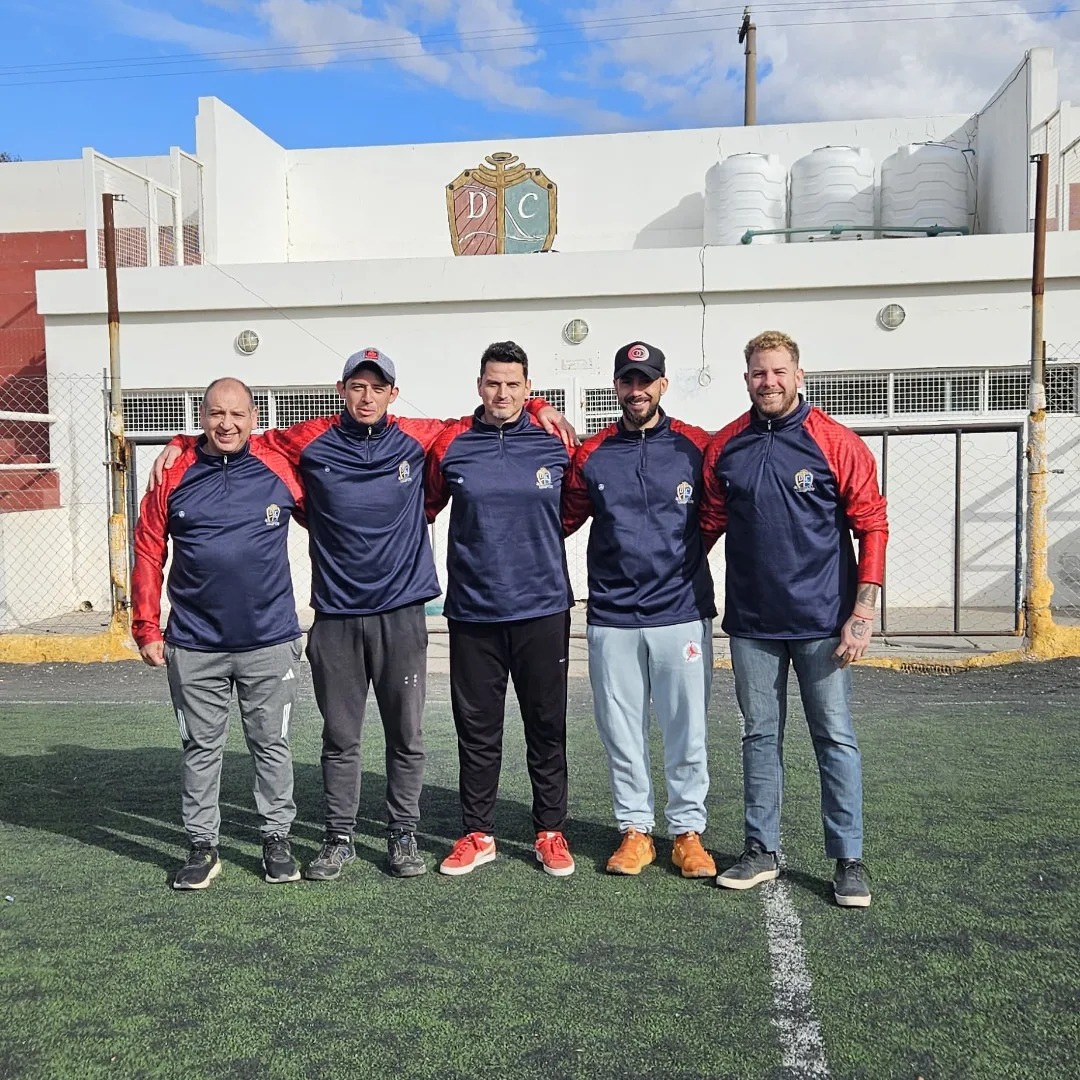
<point x="712" y="514"/>
<point x="436" y="489"/>
<point x="864" y="505"/>
<point x="577" y="506"/>
<point x="291" y="441"/>
<point x="151" y="551"/>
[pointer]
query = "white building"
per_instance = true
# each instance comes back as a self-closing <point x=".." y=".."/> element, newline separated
<point x="320" y="252"/>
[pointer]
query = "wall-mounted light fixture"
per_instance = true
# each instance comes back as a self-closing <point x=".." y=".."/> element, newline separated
<point x="575" y="331"/>
<point x="891" y="316"/>
<point x="247" y="341"/>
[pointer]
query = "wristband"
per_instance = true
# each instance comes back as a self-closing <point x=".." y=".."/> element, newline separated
<point x="861" y="615"/>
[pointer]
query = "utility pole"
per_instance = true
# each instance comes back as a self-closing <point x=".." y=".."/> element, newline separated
<point x="1038" y="621"/>
<point x="118" y="463"/>
<point x="748" y="34"/>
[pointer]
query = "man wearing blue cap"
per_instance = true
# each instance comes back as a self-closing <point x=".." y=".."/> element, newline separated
<point x="372" y="572"/>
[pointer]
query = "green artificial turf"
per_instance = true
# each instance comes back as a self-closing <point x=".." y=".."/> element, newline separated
<point x="965" y="965"/>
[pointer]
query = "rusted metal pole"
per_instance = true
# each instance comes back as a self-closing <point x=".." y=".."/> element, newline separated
<point x="118" y="463"/>
<point x="1039" y="622"/>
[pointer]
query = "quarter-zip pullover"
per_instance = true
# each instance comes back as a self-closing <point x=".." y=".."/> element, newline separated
<point x="229" y="584"/>
<point x="789" y="493"/>
<point x="364" y="490"/>
<point x="647" y="559"/>
<point x="505" y="557"/>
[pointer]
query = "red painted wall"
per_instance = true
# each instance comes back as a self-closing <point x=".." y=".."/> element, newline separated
<point x="22" y="361"/>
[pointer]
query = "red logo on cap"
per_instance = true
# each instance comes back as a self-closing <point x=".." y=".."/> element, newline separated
<point x="371" y="354"/>
<point x="638" y="352"/>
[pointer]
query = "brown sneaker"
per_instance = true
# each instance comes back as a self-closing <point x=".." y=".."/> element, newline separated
<point x="634" y="853"/>
<point x="691" y="858"/>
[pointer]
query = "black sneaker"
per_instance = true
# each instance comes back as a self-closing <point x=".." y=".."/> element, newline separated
<point x="279" y="865"/>
<point x="202" y="866"/>
<point x="755" y="865"/>
<point x="851" y="883"/>
<point x="405" y="860"/>
<point x="336" y="852"/>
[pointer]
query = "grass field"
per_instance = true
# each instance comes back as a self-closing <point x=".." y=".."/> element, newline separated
<point x="966" y="966"/>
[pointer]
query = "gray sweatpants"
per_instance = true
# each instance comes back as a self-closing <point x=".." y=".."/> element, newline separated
<point x="201" y="685"/>
<point x="389" y="652"/>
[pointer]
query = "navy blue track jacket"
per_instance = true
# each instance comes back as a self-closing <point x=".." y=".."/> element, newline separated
<point x="506" y="559"/>
<point x="789" y="493"/>
<point x="647" y="560"/>
<point x="229" y="583"/>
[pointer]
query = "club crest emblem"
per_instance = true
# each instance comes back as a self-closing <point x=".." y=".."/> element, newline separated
<point x="273" y="515"/>
<point x="804" y="481"/>
<point x="543" y="479"/>
<point x="501" y="207"/>
<point x="404" y="473"/>
<point x="684" y="493"/>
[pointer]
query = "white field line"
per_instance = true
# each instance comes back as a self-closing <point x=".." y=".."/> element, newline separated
<point x="802" y="1050"/>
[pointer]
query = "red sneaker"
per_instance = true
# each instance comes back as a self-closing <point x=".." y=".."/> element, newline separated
<point x="472" y="850"/>
<point x="552" y="851"/>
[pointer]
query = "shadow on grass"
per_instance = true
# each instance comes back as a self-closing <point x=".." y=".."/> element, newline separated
<point x="128" y="802"/>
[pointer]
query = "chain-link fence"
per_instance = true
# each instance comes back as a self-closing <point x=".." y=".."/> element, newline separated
<point x="1063" y="491"/>
<point x="54" y="552"/>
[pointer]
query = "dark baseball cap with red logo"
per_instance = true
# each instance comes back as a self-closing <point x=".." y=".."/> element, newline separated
<point x="372" y="358"/>
<point x="639" y="356"/>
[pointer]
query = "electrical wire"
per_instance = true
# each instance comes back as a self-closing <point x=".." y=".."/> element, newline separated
<point x="413" y="41"/>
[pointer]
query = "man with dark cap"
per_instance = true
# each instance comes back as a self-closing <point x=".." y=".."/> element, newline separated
<point x="650" y="609"/>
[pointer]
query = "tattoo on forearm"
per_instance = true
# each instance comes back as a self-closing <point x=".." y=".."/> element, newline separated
<point x="867" y="595"/>
<point x="860" y="629"/>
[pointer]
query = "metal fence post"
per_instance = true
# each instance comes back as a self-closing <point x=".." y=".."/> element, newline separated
<point x="118" y="450"/>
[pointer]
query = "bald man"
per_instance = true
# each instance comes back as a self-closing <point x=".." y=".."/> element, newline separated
<point x="226" y="506"/>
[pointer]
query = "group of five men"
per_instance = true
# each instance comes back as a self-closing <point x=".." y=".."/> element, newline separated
<point x="786" y="484"/>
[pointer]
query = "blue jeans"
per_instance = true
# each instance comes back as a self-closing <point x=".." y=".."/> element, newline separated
<point x="761" y="676"/>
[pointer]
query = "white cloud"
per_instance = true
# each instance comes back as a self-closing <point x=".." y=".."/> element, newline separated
<point x="846" y="70"/>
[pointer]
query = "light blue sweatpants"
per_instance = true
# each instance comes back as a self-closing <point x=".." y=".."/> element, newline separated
<point x="672" y="665"/>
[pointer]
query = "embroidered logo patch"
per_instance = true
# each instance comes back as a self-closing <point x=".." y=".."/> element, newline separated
<point x="543" y="479"/>
<point x="273" y="515"/>
<point x="638" y="353"/>
<point x="691" y="652"/>
<point x="404" y="473"/>
<point x="804" y="481"/>
<point x="684" y="493"/>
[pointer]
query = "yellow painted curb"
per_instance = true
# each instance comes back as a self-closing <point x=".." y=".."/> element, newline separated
<point x="110" y="645"/>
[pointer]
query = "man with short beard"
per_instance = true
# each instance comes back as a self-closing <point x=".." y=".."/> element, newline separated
<point x="789" y="486"/>
<point x="650" y="609"/>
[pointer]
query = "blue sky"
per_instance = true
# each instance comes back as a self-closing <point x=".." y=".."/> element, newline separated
<point x="124" y="75"/>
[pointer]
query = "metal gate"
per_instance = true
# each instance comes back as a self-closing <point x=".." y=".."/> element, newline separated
<point x="956" y="521"/>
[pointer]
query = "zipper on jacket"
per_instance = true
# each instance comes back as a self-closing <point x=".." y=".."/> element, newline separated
<point x="502" y="444"/>
<point x="642" y="469"/>
<point x="225" y="471"/>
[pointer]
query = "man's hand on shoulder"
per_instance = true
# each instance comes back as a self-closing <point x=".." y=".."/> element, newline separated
<point x="165" y="460"/>
<point x="554" y="423"/>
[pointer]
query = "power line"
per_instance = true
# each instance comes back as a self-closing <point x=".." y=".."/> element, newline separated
<point x="810" y="7"/>
<point x="423" y="55"/>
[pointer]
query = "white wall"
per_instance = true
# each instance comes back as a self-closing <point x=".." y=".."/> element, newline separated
<point x="244" y="192"/>
<point x="616" y="192"/>
<point x="1024" y="100"/>
<point x="48" y="196"/>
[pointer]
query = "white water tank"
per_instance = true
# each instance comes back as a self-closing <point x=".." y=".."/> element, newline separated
<point x="925" y="184"/>
<point x="745" y="191"/>
<point x="833" y="185"/>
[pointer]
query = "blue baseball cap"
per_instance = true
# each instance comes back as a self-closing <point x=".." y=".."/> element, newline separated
<point x="370" y="357"/>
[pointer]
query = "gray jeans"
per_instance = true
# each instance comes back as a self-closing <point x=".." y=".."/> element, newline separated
<point x="201" y="685"/>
